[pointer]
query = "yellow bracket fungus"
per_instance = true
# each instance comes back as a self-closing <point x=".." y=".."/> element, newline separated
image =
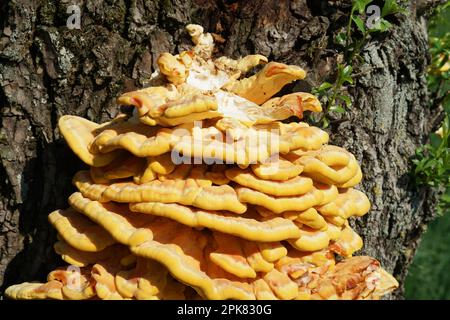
<point x="273" y="229"/>
<point x="279" y="169"/>
<point x="349" y="202"/>
<point x="294" y="186"/>
<point x="280" y="204"/>
<point x="81" y="258"/>
<point x="79" y="232"/>
<point x="209" y="189"/>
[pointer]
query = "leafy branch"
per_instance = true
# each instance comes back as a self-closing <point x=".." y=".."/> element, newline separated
<point x="355" y="35"/>
<point x="432" y="160"/>
<point x="372" y="23"/>
<point x="332" y="93"/>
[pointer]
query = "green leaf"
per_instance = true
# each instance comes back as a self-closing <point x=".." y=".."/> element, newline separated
<point x="435" y="140"/>
<point x="337" y="109"/>
<point x="359" y="23"/>
<point x="446" y="104"/>
<point x="346" y="99"/>
<point x="347" y="71"/>
<point x="341" y="38"/>
<point x="346" y="75"/>
<point x="390" y="7"/>
<point x="384" y="25"/>
<point x="360" y="5"/>
<point x="325" y="123"/>
<point x="429" y="164"/>
<point x="324" y="86"/>
<point x="347" y="79"/>
<point x="446" y="196"/>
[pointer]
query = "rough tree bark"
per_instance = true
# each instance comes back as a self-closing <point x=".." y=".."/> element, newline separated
<point x="47" y="70"/>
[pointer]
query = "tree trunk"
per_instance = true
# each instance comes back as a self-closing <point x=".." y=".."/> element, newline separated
<point x="48" y="70"/>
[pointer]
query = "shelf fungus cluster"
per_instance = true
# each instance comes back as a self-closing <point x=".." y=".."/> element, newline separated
<point x="211" y="188"/>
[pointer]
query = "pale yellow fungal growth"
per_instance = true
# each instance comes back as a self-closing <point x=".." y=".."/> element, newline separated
<point x="174" y="68"/>
<point x="161" y="248"/>
<point x="186" y="104"/>
<point x="79" y="232"/>
<point x="294" y="186"/>
<point x="181" y="172"/>
<point x="124" y="167"/>
<point x="172" y="107"/>
<point x="267" y="82"/>
<point x="83" y="181"/>
<point x="272" y="251"/>
<point x="329" y="192"/>
<point x="348" y="242"/>
<point x="104" y="275"/>
<point x="162" y="164"/>
<point x="233" y="129"/>
<point x="148" y="280"/>
<point x="278" y="169"/>
<point x="320" y="278"/>
<point x="185" y="266"/>
<point x="79" y="133"/>
<point x="334" y="231"/>
<point x="297" y="103"/>
<point x="198" y="173"/>
<point x="353" y="181"/>
<point x="187" y="192"/>
<point x="298" y="136"/>
<point x="131" y="230"/>
<point x="156" y="228"/>
<point x="255" y="144"/>
<point x="349" y="202"/>
<point x="369" y="281"/>
<point x="80" y="258"/>
<point x="241" y="65"/>
<point x="283" y="287"/>
<point x="144" y="280"/>
<point x="146" y="174"/>
<point x="273" y="229"/>
<point x="186" y="107"/>
<point x="124" y="227"/>
<point x="77" y="284"/>
<point x="61" y="285"/>
<point x="311" y="240"/>
<point x="203" y="88"/>
<point x="38" y="291"/>
<point x="280" y="204"/>
<point x="146" y="100"/>
<point x="216" y="174"/>
<point x="210" y="143"/>
<point x="329" y="165"/>
<point x="336" y="220"/>
<point x="345" y="240"/>
<point x="258" y="262"/>
<point x="204" y="42"/>
<point x="309" y="217"/>
<point x="230" y="256"/>
<point x="262" y="290"/>
<point x="210" y="189"/>
<point x="140" y="140"/>
<point x="297" y="264"/>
